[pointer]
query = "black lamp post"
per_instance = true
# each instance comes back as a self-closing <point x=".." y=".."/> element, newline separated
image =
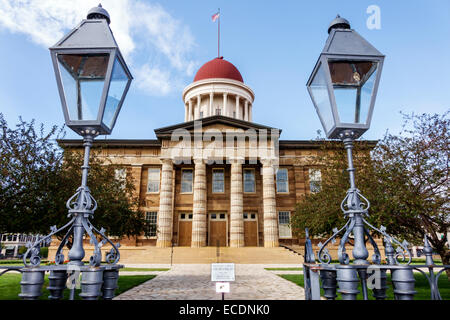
<point x="92" y="80"/>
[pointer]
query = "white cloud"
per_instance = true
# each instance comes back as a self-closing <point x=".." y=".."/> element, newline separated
<point x="153" y="80"/>
<point x="157" y="46"/>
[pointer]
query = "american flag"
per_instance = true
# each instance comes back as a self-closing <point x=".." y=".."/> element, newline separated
<point x="215" y="16"/>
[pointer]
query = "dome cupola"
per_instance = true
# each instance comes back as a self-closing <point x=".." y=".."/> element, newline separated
<point x="218" y="89"/>
<point x="218" y="68"/>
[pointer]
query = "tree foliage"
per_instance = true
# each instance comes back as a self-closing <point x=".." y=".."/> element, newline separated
<point x="405" y="178"/>
<point x="37" y="178"/>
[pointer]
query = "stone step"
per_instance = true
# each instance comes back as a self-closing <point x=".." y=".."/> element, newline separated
<point x="181" y="255"/>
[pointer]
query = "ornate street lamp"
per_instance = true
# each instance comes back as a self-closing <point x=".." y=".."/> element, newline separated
<point x="91" y="74"/>
<point x="344" y="83"/>
<point x="92" y="80"/>
<point x="343" y="88"/>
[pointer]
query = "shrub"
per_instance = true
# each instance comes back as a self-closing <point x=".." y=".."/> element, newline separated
<point x="44" y="252"/>
<point x="22" y="250"/>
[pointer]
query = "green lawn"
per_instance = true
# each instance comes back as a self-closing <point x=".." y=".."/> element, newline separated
<point x="144" y="269"/>
<point x="284" y="269"/>
<point x="10" y="285"/>
<point x="422" y="287"/>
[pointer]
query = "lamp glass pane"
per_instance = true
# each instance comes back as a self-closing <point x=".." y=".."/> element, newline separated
<point x="83" y="79"/>
<point x="321" y="99"/>
<point x="353" y="83"/>
<point x="366" y="95"/>
<point x="119" y="80"/>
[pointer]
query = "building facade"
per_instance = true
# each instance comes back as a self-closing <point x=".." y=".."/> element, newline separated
<point x="218" y="178"/>
<point x="11" y="242"/>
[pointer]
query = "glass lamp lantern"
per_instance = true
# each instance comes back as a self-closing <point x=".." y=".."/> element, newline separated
<point x="344" y="82"/>
<point x="91" y="75"/>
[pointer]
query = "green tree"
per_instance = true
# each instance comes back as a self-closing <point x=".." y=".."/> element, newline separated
<point x="37" y="178"/>
<point x="405" y="178"/>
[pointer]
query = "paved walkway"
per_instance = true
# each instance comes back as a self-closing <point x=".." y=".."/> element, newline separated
<point x="193" y="281"/>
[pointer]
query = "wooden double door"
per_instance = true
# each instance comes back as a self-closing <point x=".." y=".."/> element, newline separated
<point x="185" y="229"/>
<point x="250" y="230"/>
<point x="218" y="229"/>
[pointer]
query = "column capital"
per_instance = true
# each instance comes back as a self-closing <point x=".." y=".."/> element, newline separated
<point x="166" y="160"/>
<point x="199" y="161"/>
<point x="236" y="160"/>
<point x="267" y="162"/>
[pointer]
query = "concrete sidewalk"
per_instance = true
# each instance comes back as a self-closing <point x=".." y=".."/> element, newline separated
<point x="193" y="281"/>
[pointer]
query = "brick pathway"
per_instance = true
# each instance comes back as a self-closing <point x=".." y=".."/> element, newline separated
<point x="192" y="281"/>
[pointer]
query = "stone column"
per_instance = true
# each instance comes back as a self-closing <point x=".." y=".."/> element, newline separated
<point x="186" y="113"/>
<point x="190" y="110"/>
<point x="250" y="107"/>
<point x="246" y="111"/>
<point x="197" y="110"/>
<point x="237" y="109"/>
<point x="211" y="99"/>
<point x="269" y="205"/>
<point x="165" y="219"/>
<point x="199" y="222"/>
<point x="236" y="206"/>
<point x="225" y="98"/>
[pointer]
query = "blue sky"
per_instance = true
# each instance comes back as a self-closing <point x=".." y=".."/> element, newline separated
<point x="274" y="44"/>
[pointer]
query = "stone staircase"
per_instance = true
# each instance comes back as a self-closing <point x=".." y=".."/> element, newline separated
<point x="187" y="255"/>
<point x="296" y="249"/>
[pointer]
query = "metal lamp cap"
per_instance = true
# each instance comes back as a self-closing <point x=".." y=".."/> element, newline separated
<point x="339" y="23"/>
<point x="99" y="13"/>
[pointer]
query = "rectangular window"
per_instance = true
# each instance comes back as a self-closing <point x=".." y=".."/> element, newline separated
<point x="201" y="114"/>
<point x="151" y="218"/>
<point x="218" y="112"/>
<point x="153" y="180"/>
<point x="121" y="176"/>
<point x="218" y="181"/>
<point x="249" y="180"/>
<point x="315" y="180"/>
<point x="186" y="180"/>
<point x="284" y="226"/>
<point x="249" y="216"/>
<point x="282" y="180"/>
<point x="186" y="216"/>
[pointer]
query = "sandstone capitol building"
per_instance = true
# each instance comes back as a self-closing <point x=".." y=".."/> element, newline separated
<point x="218" y="179"/>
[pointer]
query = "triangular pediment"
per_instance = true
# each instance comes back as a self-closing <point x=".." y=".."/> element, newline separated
<point x="220" y="123"/>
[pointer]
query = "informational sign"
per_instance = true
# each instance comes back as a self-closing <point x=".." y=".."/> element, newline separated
<point x="222" y="287"/>
<point x="222" y="272"/>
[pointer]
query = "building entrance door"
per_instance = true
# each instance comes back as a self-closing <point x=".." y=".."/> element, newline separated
<point x="218" y="229"/>
<point x="250" y="230"/>
<point x="185" y="230"/>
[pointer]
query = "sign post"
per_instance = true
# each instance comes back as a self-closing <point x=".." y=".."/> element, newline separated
<point x="222" y="274"/>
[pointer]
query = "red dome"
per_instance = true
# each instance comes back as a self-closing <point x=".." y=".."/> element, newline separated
<point x="218" y="68"/>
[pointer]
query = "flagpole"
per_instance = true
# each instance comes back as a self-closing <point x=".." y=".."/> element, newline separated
<point x="218" y="37"/>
